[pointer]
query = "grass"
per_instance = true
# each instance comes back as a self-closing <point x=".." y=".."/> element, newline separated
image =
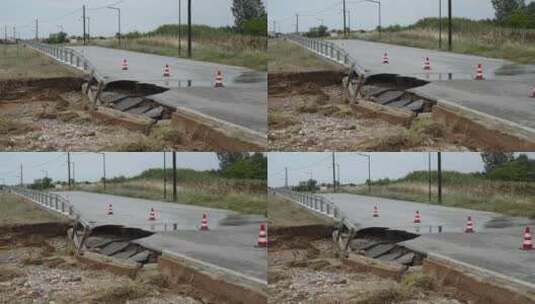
<point x="16" y="210"/>
<point x="231" y="49"/>
<point x="19" y="62"/>
<point x="240" y="196"/>
<point x="280" y="120"/>
<point x="481" y="38"/>
<point x="283" y="213"/>
<point x="287" y="57"/>
<point x="462" y="190"/>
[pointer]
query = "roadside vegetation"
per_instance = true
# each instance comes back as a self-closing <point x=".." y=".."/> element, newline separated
<point x="239" y="185"/>
<point x="507" y="186"/>
<point x="283" y="213"/>
<point x="285" y="56"/>
<point x="510" y="35"/>
<point x="19" y="62"/>
<point x="17" y="210"/>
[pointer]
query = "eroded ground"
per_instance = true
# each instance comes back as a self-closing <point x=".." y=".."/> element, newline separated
<point x="39" y="270"/>
<point x="312" y="116"/>
<point x="54" y="115"/>
<point x="305" y="267"/>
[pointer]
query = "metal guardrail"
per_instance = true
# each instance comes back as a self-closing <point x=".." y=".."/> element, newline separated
<point x="316" y="203"/>
<point x="53" y="202"/>
<point x="66" y="56"/>
<point x="328" y="50"/>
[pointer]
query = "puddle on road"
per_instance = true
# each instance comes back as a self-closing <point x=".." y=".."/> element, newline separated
<point x="241" y="220"/>
<point x="251" y="77"/>
<point x="515" y="70"/>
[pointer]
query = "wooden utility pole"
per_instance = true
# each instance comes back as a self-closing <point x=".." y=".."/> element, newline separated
<point x="334" y="172"/>
<point x="69" y="169"/>
<point x="439" y="177"/>
<point x="450" y="30"/>
<point x="174" y="177"/>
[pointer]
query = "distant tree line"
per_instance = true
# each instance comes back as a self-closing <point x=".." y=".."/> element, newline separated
<point x="515" y="13"/>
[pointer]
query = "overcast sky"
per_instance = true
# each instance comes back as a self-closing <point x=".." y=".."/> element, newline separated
<point x="141" y="15"/>
<point x="88" y="166"/>
<point x="354" y="168"/>
<point x="364" y="15"/>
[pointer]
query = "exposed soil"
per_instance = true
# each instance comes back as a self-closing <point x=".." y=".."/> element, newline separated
<point x="38" y="269"/>
<point x="306" y="268"/>
<point x="308" y="113"/>
<point x="53" y="115"/>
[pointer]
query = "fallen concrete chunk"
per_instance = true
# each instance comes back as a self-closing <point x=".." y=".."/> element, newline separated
<point x="379" y="250"/>
<point x="373" y="91"/>
<point x="111" y="97"/>
<point x="114" y="248"/>
<point x="128" y="252"/>
<point x="406" y="259"/>
<point x="391" y="256"/>
<point x="141" y="257"/>
<point x="389" y="97"/>
<point x="155" y="113"/>
<point x="416" y="106"/>
<point x="141" y="109"/>
<point x="128" y="103"/>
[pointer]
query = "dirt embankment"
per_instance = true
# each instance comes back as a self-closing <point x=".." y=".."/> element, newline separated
<point x="307" y="111"/>
<point x="53" y="115"/>
<point x="306" y="267"/>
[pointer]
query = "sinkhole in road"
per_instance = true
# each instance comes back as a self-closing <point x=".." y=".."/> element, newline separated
<point x="119" y="242"/>
<point x="383" y="244"/>
<point x="391" y="90"/>
<point x="131" y="97"/>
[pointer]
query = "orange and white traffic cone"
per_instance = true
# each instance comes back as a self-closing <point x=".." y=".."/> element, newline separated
<point x="528" y="243"/>
<point x="375" y="212"/>
<point x="385" y="59"/>
<point x="166" y="71"/>
<point x="110" y="209"/>
<point x="479" y="72"/>
<point x="469" y="225"/>
<point x="427" y="64"/>
<point x="417" y="218"/>
<point x="533" y="92"/>
<point x="262" y="237"/>
<point x="152" y="215"/>
<point x="124" y="66"/>
<point x="204" y="223"/>
<point x="219" y="80"/>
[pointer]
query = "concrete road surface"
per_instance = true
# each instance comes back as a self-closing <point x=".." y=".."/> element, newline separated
<point x="244" y="107"/>
<point x="148" y="68"/>
<point x="495" y="246"/>
<point x="505" y="93"/>
<point x="229" y="244"/>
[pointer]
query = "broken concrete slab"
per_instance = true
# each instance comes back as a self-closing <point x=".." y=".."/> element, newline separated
<point x="400" y="103"/>
<point x="373" y="91"/>
<point x="128" y="252"/>
<point x="128" y="103"/>
<point x="396" y="254"/>
<point x="379" y="250"/>
<point x="406" y="259"/>
<point x="140" y="257"/>
<point x="389" y="97"/>
<point x="114" y="248"/>
<point x="141" y="109"/>
<point x="416" y="106"/>
<point x="111" y="97"/>
<point x="155" y="113"/>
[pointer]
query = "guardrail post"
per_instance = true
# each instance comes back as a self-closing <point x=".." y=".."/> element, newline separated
<point x="328" y="209"/>
<point x="62" y="207"/>
<point x="175" y="227"/>
<point x="70" y="210"/>
<point x="77" y="61"/>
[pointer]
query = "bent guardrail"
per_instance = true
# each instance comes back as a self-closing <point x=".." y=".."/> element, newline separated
<point x="66" y="56"/>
